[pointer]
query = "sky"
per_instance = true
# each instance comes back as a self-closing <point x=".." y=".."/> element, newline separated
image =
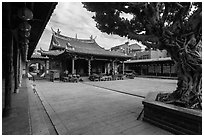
<point x="72" y="19"/>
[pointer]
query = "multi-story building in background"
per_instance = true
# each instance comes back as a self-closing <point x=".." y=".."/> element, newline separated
<point x="127" y="49"/>
<point x="150" y="54"/>
<point x="137" y="53"/>
<point x="147" y="62"/>
<point x="152" y="62"/>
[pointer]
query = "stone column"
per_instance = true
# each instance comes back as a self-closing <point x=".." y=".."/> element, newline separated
<point x="16" y="66"/>
<point x="89" y="67"/>
<point x="141" y="70"/>
<point x="123" y="68"/>
<point x="73" y="65"/>
<point x="113" y="68"/>
<point x="108" y="68"/>
<point x="20" y="70"/>
<point x="105" y="68"/>
<point x="26" y="69"/>
<point x="156" y="68"/>
<point x="45" y="66"/>
<point x="9" y="74"/>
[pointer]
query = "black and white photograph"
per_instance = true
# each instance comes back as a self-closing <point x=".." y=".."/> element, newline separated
<point x="101" y="68"/>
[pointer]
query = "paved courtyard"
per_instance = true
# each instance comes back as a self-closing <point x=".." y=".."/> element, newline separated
<point x="138" y="86"/>
<point x="83" y="108"/>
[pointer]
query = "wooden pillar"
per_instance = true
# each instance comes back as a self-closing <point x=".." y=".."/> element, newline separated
<point x="73" y="65"/>
<point x="9" y="74"/>
<point x="113" y="68"/>
<point x="108" y="68"/>
<point x="45" y="66"/>
<point x="105" y="68"/>
<point x="141" y="70"/>
<point x="170" y="69"/>
<point x="147" y="69"/>
<point x="26" y="69"/>
<point x="89" y="67"/>
<point x="156" y="68"/>
<point x="16" y="69"/>
<point x="123" y="68"/>
<point x="61" y="71"/>
<point x="20" y="70"/>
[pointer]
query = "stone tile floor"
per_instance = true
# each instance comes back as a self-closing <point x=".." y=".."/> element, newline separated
<point x="83" y="108"/>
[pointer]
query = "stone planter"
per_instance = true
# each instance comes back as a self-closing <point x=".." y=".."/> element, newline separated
<point x="175" y="119"/>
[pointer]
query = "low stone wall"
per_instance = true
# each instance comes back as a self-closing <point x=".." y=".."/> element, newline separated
<point x="175" y="119"/>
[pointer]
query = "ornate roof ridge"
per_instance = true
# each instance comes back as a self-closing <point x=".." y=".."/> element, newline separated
<point x="75" y="39"/>
<point x="135" y="44"/>
<point x="91" y="40"/>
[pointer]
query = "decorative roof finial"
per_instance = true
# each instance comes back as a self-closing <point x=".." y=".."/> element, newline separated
<point x="91" y="37"/>
<point x="58" y="31"/>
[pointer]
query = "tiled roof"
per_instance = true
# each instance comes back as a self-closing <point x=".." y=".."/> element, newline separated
<point x="117" y="47"/>
<point x="149" y="60"/>
<point x="135" y="46"/>
<point x="82" y="46"/>
<point x="38" y="56"/>
<point x="52" y="52"/>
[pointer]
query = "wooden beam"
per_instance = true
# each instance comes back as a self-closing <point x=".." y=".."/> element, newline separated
<point x="100" y="59"/>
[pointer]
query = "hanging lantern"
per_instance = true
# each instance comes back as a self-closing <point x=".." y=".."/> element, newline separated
<point x="25" y="26"/>
<point x="24" y="41"/>
<point x="25" y="14"/>
<point x="24" y="34"/>
<point x="25" y="47"/>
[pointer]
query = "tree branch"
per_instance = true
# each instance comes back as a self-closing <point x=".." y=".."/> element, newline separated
<point x="141" y="37"/>
<point x="151" y="45"/>
<point x="166" y="11"/>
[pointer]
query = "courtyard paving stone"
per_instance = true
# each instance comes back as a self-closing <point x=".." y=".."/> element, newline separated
<point x="81" y="108"/>
<point x="138" y="86"/>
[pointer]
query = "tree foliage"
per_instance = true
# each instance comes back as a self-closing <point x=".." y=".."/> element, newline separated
<point x="174" y="26"/>
<point x="152" y="22"/>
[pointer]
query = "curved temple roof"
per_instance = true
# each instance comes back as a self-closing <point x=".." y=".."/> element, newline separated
<point x="61" y="43"/>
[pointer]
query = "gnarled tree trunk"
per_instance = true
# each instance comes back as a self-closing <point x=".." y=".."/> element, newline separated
<point x="189" y="69"/>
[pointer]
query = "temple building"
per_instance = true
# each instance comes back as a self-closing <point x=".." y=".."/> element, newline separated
<point x="82" y="56"/>
<point x="152" y="67"/>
